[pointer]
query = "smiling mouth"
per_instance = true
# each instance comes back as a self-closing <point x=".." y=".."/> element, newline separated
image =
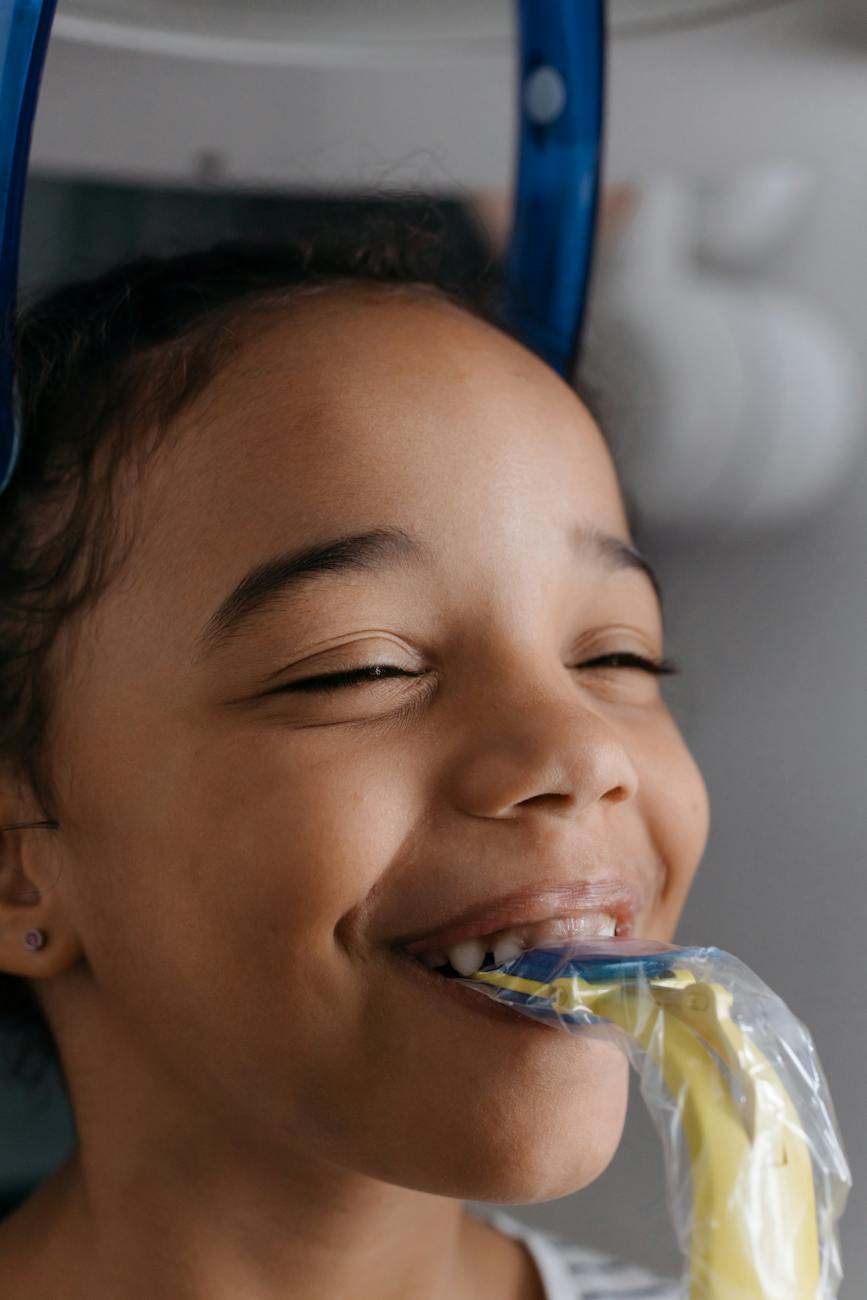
<point x="469" y="955"/>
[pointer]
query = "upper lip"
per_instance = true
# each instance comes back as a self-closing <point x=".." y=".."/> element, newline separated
<point x="623" y="899"/>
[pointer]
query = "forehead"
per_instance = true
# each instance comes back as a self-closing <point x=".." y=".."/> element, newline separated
<point x="372" y="398"/>
<point x="359" y="411"/>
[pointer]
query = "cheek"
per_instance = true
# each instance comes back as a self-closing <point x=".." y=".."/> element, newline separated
<point x="274" y="827"/>
<point x="216" y="877"/>
<point x="313" y="832"/>
<point x="676" y="810"/>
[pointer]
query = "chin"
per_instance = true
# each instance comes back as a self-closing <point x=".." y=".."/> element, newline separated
<point x="564" y="1158"/>
<point x="528" y="1144"/>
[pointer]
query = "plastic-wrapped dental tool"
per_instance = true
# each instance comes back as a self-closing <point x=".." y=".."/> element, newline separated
<point x="757" y="1177"/>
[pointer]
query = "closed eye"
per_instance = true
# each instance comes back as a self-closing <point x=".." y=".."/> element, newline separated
<point x="349" y="677"/>
<point x="328" y="682"/>
<point x="625" y="659"/>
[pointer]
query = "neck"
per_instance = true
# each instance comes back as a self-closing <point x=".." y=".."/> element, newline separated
<point x="198" y="1234"/>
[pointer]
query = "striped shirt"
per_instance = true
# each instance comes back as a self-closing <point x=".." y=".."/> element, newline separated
<point x="571" y="1272"/>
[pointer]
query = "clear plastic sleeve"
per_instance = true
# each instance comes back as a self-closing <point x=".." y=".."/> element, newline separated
<point x="757" y="1176"/>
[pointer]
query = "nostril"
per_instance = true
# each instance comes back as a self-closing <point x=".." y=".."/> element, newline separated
<point x="617" y="794"/>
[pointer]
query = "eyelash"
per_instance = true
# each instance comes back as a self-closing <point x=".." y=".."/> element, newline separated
<point x="330" y="682"/>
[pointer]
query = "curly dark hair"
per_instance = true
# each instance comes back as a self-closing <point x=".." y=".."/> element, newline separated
<point x="104" y="365"/>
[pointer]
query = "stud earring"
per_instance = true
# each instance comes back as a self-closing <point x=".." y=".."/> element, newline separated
<point x="34" y="939"/>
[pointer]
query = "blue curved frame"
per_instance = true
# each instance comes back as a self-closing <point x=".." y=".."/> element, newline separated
<point x="557" y="190"/>
<point x="562" y="51"/>
<point x="25" y="26"/>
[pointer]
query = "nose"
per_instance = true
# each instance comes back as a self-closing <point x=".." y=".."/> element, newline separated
<point x="542" y="751"/>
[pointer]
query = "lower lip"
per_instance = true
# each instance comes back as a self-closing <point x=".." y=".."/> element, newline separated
<point x="463" y="996"/>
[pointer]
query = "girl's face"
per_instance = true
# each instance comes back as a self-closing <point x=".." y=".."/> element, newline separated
<point x="242" y="852"/>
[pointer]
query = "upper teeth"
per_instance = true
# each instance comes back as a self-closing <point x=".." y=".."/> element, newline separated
<point x="469" y="955"/>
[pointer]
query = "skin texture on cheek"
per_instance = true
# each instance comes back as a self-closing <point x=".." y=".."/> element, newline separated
<point x="675" y="810"/>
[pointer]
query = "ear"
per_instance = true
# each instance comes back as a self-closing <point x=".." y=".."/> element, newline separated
<point x="31" y="893"/>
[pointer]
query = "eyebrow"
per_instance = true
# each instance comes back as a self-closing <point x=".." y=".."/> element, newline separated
<point x="375" y="551"/>
<point x="617" y="554"/>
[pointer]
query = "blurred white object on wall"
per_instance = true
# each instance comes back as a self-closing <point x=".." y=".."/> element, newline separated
<point x="730" y="402"/>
